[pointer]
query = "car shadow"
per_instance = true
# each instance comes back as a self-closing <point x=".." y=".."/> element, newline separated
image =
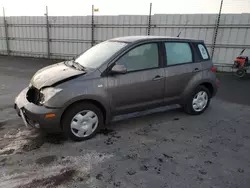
<point x="153" y="116"/>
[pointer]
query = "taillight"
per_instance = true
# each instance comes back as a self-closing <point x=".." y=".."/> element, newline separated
<point x="213" y="69"/>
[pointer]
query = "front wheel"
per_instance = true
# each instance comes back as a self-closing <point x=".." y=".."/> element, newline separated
<point x="82" y="121"/>
<point x="198" y="102"/>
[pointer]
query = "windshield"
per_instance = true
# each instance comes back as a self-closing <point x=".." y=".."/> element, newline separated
<point x="98" y="54"/>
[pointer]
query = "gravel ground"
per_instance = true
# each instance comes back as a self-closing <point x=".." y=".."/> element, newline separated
<point x="163" y="149"/>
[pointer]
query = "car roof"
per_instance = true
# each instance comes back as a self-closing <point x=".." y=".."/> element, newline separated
<point x="131" y="39"/>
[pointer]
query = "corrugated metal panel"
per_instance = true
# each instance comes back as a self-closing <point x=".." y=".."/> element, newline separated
<point x="247" y="20"/>
<point x="3" y="48"/>
<point x="72" y="35"/>
<point x="216" y="55"/>
<point x="229" y="56"/>
<point x="232" y="36"/>
<point x="2" y="40"/>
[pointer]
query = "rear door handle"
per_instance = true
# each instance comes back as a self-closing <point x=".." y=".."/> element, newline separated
<point x="158" y="77"/>
<point x="196" y="70"/>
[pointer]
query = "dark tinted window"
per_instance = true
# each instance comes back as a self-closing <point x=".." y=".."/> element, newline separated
<point x="201" y="51"/>
<point x="178" y="53"/>
<point x="141" y="57"/>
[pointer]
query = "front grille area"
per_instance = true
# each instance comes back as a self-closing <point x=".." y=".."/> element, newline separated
<point x="33" y="95"/>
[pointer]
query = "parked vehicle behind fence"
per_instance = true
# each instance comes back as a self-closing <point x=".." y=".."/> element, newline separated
<point x="118" y="76"/>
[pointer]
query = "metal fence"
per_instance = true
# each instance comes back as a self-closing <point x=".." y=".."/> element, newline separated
<point x="65" y="37"/>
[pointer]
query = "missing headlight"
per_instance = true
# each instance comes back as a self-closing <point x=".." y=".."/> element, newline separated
<point x="33" y="95"/>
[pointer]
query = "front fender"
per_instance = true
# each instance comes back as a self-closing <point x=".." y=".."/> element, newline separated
<point x="102" y="101"/>
<point x="98" y="99"/>
<point x="79" y="90"/>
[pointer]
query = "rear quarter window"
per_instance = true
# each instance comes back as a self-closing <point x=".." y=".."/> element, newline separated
<point x="202" y="51"/>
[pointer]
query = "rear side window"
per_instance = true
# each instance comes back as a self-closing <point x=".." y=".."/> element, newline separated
<point x="178" y="53"/>
<point x="203" y="51"/>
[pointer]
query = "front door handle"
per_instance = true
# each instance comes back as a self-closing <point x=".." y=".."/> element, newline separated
<point x="196" y="70"/>
<point x="158" y="77"/>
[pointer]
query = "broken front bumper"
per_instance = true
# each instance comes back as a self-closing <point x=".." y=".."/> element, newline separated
<point x="35" y="116"/>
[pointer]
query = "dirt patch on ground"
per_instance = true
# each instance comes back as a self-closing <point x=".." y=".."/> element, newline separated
<point x="7" y="152"/>
<point x="42" y="138"/>
<point x="2" y="123"/>
<point x="64" y="176"/>
<point x="55" y="138"/>
<point x="15" y="140"/>
<point x="112" y="136"/>
<point x="2" y="161"/>
<point x="46" y="160"/>
<point x="32" y="145"/>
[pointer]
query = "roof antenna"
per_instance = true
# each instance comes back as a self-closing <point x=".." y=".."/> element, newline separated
<point x="182" y="28"/>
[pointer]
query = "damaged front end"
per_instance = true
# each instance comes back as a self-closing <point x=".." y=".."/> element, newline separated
<point x="32" y="103"/>
<point x="43" y="83"/>
<point x="34" y="95"/>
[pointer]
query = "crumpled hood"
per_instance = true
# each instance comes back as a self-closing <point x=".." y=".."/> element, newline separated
<point x="52" y="74"/>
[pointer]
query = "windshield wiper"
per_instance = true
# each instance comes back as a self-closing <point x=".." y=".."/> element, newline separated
<point x="76" y="65"/>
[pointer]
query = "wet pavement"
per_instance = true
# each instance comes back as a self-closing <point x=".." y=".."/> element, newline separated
<point x="233" y="89"/>
<point x="161" y="148"/>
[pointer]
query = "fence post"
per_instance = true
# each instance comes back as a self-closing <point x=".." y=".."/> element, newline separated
<point x="47" y="27"/>
<point x="92" y="27"/>
<point x="216" y="30"/>
<point x="6" y="33"/>
<point x="149" y="18"/>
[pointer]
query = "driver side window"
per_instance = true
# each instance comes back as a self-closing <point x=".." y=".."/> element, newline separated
<point x="142" y="57"/>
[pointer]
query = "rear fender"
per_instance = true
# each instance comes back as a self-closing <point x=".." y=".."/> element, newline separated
<point x="199" y="79"/>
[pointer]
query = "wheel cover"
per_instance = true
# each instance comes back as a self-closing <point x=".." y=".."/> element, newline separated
<point x="200" y="101"/>
<point x="84" y="123"/>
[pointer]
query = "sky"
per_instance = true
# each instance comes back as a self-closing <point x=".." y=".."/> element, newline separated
<point x="122" y="7"/>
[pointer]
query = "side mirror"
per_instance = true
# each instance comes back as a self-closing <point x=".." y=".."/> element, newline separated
<point x="118" y="69"/>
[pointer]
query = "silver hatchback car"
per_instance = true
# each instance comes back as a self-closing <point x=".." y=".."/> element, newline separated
<point x="118" y="76"/>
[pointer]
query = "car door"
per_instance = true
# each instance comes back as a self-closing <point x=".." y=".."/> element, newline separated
<point x="142" y="86"/>
<point x="179" y="68"/>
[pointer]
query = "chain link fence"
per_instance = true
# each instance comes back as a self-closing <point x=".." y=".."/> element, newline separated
<point x="64" y="37"/>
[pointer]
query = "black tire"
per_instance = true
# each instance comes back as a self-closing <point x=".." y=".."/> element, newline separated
<point x="240" y="73"/>
<point x="188" y="106"/>
<point x="72" y="111"/>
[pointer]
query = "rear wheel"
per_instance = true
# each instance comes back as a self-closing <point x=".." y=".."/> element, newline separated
<point x="198" y="101"/>
<point x="82" y="121"/>
<point x="240" y="73"/>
